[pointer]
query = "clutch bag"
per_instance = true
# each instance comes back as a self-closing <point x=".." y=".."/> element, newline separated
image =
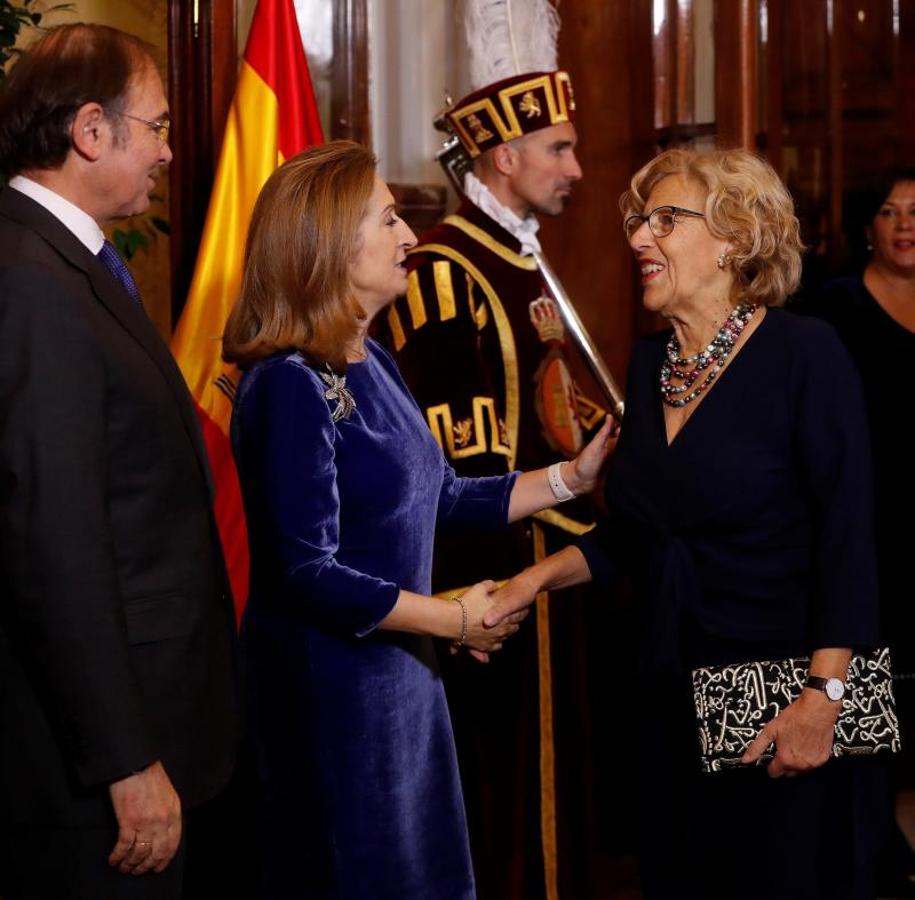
<point x="733" y="702"/>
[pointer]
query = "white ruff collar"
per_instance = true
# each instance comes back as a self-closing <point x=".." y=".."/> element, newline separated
<point x="525" y="230"/>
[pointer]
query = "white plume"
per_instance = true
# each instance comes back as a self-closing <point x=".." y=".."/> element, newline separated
<point x="510" y="37"/>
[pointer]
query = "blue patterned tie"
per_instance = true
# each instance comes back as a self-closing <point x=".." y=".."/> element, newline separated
<point x="112" y="261"/>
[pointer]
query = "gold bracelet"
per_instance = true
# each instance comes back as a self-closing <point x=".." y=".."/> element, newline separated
<point x="463" y="637"/>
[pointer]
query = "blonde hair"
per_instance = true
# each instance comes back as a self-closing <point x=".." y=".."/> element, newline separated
<point x="296" y="291"/>
<point x="747" y="205"/>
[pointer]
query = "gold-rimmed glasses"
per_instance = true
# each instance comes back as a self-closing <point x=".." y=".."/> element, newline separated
<point x="160" y="128"/>
<point x="661" y="220"/>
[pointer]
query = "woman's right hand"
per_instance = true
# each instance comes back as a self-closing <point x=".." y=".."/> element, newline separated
<point x="477" y="601"/>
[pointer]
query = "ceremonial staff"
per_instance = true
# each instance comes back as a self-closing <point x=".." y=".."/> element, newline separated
<point x="582" y="338"/>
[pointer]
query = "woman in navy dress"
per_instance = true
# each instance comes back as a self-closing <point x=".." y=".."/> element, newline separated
<point x="874" y="314"/>
<point x="344" y="486"/>
<point x="740" y="490"/>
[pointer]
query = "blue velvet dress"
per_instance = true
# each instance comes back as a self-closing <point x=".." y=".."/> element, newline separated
<point x="355" y="754"/>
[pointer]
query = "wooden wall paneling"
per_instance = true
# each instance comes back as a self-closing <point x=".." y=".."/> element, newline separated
<point x="736" y="72"/>
<point x="771" y="137"/>
<point x="870" y="73"/>
<point x="799" y="115"/>
<point x="224" y="61"/>
<point x="420" y="205"/>
<point x="685" y="49"/>
<point x="904" y="33"/>
<point x="201" y="82"/>
<point x="836" y="136"/>
<point x="349" y="97"/>
<point x="671" y="33"/>
<point x="665" y="67"/>
<point x="865" y="31"/>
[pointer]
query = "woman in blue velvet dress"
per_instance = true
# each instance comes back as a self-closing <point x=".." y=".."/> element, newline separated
<point x="344" y="487"/>
<point x="740" y="491"/>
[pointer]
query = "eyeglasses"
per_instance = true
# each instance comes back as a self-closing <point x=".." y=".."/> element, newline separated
<point x="661" y="221"/>
<point x="161" y="129"/>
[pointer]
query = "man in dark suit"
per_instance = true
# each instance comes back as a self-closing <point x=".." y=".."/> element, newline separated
<point x="116" y="703"/>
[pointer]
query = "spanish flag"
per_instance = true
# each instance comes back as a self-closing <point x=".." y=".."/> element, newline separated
<point x="273" y="117"/>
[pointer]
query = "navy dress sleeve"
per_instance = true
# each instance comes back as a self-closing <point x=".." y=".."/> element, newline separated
<point x="833" y="451"/>
<point x="475" y="502"/>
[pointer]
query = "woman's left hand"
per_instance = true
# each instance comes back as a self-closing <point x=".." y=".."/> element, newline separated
<point x="582" y="472"/>
<point x="803" y="733"/>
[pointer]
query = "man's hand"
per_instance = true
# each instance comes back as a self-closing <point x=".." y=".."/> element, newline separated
<point x="149" y="818"/>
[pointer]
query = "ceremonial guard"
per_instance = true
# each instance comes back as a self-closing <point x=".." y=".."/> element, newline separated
<point x="485" y="351"/>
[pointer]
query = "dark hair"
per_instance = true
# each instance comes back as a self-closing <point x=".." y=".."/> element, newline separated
<point x="879" y="188"/>
<point x="861" y="204"/>
<point x="66" y="68"/>
<point x="296" y="291"/>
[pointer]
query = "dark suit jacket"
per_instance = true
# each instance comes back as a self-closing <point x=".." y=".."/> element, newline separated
<point x="116" y="627"/>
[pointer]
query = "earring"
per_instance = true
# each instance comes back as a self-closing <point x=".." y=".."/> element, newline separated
<point x="723" y="261"/>
<point x="870" y="246"/>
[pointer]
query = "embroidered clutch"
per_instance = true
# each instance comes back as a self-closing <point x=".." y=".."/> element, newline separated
<point x="733" y="703"/>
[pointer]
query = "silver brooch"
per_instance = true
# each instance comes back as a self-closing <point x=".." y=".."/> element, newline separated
<point x="337" y="390"/>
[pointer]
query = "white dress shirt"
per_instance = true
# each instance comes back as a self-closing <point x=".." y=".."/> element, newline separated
<point x="83" y="226"/>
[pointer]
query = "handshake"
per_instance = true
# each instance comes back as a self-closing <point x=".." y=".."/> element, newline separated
<point x="491" y="613"/>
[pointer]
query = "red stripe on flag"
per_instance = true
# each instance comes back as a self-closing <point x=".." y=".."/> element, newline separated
<point x="228" y="508"/>
<point x="275" y="52"/>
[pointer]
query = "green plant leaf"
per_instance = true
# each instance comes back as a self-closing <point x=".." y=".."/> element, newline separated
<point x="120" y="241"/>
<point x="135" y="240"/>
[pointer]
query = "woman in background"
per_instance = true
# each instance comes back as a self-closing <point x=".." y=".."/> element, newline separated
<point x="874" y="314"/>
<point x="344" y="487"/>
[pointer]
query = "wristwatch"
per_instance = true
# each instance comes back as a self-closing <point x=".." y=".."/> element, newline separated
<point x="834" y="688"/>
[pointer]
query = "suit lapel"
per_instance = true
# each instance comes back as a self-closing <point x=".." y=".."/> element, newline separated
<point x="114" y="298"/>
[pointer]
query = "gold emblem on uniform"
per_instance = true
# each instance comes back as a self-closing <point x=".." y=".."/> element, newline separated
<point x="463" y="432"/>
<point x="503" y="433"/>
<point x="554" y="401"/>
<point x="480" y="131"/>
<point x="546" y="319"/>
<point x="530" y="105"/>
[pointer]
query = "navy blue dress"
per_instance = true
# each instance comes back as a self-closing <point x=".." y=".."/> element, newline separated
<point x="752" y="532"/>
<point x="884" y="351"/>
<point x="352" y="736"/>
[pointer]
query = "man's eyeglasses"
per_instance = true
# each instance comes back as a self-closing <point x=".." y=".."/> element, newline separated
<point x="161" y="129"/>
<point x="661" y="221"/>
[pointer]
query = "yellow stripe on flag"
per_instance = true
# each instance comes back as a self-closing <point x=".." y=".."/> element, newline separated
<point x="249" y="156"/>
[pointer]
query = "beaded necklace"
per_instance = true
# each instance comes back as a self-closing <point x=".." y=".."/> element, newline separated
<point x="687" y="369"/>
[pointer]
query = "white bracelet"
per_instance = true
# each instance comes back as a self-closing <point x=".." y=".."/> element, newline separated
<point x="557" y="485"/>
